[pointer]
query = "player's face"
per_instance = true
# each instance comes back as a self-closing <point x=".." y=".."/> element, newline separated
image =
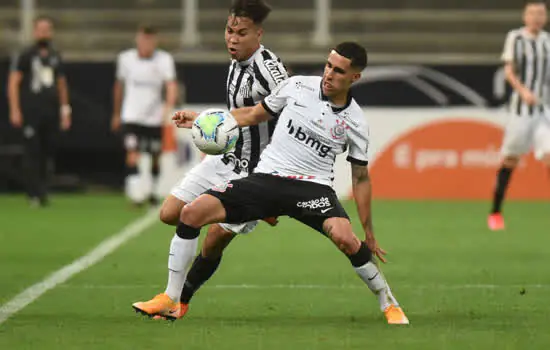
<point x="534" y="17"/>
<point x="338" y="75"/>
<point x="43" y="30"/>
<point x="146" y="44"/>
<point x="242" y="37"/>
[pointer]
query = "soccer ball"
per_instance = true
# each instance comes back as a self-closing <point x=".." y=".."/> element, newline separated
<point x="215" y="131"/>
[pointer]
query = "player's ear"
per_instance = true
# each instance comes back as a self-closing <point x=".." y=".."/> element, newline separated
<point x="355" y="77"/>
<point x="260" y="32"/>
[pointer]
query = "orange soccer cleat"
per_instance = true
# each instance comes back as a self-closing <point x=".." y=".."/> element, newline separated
<point x="495" y="222"/>
<point x="395" y="315"/>
<point x="161" y="304"/>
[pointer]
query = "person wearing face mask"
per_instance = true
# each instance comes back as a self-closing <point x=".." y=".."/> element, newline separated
<point x="39" y="105"/>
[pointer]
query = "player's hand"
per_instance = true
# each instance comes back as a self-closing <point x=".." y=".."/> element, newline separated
<point x="115" y="122"/>
<point x="374" y="247"/>
<point x="65" y="122"/>
<point x="16" y="118"/>
<point x="184" y="119"/>
<point x="272" y="221"/>
<point x="528" y="97"/>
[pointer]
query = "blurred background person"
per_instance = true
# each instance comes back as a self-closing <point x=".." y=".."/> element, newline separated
<point x="142" y="74"/>
<point x="38" y="99"/>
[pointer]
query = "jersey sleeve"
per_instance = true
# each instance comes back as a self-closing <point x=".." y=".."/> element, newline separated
<point x="60" y="69"/>
<point x="21" y="63"/>
<point x="169" y="68"/>
<point x="278" y="99"/>
<point x="120" y="68"/>
<point x="510" y="50"/>
<point x="269" y="72"/>
<point x="358" y="138"/>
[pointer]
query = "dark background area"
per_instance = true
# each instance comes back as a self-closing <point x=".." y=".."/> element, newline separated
<point x="89" y="154"/>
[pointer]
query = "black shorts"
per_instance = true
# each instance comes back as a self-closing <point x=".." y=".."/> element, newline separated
<point x="260" y="196"/>
<point x="146" y="139"/>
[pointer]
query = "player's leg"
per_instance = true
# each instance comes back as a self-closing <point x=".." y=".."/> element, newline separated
<point x="32" y="160"/>
<point x="206" y="263"/>
<point x="133" y="186"/>
<point x="155" y="150"/>
<point x="542" y="142"/>
<point x="517" y="141"/>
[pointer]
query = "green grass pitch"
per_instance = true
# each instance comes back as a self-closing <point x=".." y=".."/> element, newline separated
<point x="461" y="286"/>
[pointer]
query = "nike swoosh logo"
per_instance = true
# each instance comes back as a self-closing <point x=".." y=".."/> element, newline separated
<point x="299" y="105"/>
<point x="325" y="210"/>
<point x="373" y="277"/>
<point x="172" y="311"/>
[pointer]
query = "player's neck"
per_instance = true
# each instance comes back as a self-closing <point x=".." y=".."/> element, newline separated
<point x="532" y="31"/>
<point x="339" y="100"/>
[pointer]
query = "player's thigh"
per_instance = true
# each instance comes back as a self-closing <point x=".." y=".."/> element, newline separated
<point x="247" y="199"/>
<point x="518" y="136"/>
<point x="204" y="210"/>
<point x="170" y="210"/>
<point x="542" y="140"/>
<point x="198" y="180"/>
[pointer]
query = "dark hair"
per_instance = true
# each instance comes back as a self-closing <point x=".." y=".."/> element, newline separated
<point x="256" y="10"/>
<point x="42" y="18"/>
<point x="535" y="2"/>
<point x="354" y="52"/>
<point x="147" y="29"/>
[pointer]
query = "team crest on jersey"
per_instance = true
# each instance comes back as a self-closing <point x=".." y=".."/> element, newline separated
<point x="222" y="187"/>
<point x="339" y="130"/>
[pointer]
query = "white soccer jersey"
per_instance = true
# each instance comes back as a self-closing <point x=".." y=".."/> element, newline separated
<point x="310" y="132"/>
<point x="144" y="80"/>
<point x="531" y="57"/>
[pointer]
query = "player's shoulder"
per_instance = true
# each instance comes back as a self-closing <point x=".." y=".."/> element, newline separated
<point x="270" y="65"/>
<point x="128" y="54"/>
<point x="355" y="116"/>
<point x="164" y="55"/>
<point x="266" y="55"/>
<point x="307" y="82"/>
<point x="515" y="32"/>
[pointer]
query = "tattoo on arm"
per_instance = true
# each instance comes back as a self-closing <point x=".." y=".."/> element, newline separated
<point x="359" y="174"/>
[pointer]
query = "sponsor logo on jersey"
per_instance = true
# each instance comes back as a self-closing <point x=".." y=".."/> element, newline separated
<point x="339" y="130"/>
<point x="274" y="69"/>
<point x="301" y="135"/>
<point x="300" y="85"/>
<point x="318" y="203"/>
<point x="242" y="163"/>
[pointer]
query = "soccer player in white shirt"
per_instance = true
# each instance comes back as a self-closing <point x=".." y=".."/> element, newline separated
<point x="142" y="74"/>
<point x="317" y="120"/>
<point x="526" y="57"/>
<point x="254" y="72"/>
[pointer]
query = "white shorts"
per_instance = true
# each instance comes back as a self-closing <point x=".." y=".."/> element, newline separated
<point x="207" y="174"/>
<point x="524" y="132"/>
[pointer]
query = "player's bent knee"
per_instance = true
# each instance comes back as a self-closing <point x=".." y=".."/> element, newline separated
<point x="510" y="161"/>
<point x="204" y="210"/>
<point x="132" y="158"/>
<point x="171" y="210"/>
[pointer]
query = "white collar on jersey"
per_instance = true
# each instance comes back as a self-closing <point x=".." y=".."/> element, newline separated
<point x="250" y="59"/>
<point x="530" y="35"/>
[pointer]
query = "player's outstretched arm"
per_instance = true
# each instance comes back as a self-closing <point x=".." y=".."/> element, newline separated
<point x="247" y="116"/>
<point x="362" y="191"/>
<point x="244" y="116"/>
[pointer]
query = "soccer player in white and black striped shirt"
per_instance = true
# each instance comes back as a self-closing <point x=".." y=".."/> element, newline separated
<point x="527" y="66"/>
<point x="253" y="73"/>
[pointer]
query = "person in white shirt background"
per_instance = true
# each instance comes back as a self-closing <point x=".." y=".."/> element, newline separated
<point x="143" y="73"/>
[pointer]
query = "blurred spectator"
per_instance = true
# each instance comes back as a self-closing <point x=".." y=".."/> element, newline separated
<point x="39" y="104"/>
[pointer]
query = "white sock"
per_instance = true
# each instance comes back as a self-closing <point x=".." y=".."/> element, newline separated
<point x="134" y="188"/>
<point x="373" y="278"/>
<point x="182" y="253"/>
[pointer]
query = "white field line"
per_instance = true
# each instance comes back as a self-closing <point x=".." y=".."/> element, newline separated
<point x="60" y="276"/>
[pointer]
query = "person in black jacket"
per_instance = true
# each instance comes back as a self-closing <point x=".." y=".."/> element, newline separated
<point x="39" y="104"/>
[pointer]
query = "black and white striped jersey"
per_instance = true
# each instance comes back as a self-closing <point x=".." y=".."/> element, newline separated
<point x="531" y="57"/>
<point x="248" y="82"/>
